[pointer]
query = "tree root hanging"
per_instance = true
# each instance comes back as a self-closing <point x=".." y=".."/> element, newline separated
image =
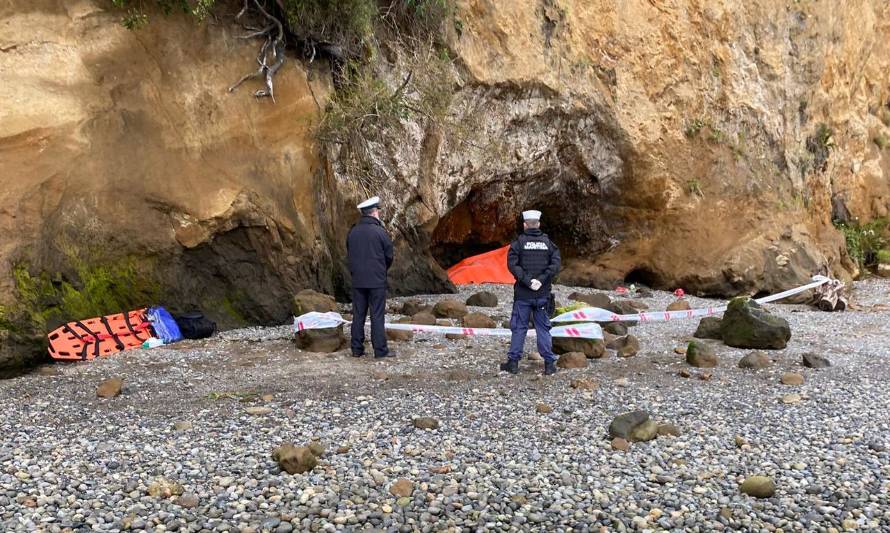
<point x="271" y="55"/>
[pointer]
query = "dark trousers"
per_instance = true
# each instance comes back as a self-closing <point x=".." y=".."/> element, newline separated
<point x="362" y="300"/>
<point x="537" y="309"/>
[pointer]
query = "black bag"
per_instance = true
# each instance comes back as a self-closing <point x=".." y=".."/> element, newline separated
<point x="551" y="305"/>
<point x="194" y="325"/>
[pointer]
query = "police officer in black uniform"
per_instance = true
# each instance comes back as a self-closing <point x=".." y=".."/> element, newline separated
<point x="534" y="261"/>
<point x="370" y="254"/>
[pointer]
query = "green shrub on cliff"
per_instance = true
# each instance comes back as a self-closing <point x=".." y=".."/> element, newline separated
<point x="348" y="24"/>
<point x="137" y="17"/>
<point x="865" y="241"/>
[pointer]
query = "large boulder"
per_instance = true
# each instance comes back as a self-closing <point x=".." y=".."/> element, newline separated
<point x="423" y="318"/>
<point x="626" y="346"/>
<point x="681" y="304"/>
<point x="633" y="426"/>
<point x="572" y="360"/>
<point x="792" y="378"/>
<point x="630" y="347"/>
<point x="399" y="335"/>
<point x="295" y="460"/>
<point x="450" y="309"/>
<point x="613" y="342"/>
<point x="623" y="307"/>
<point x="483" y="299"/>
<point x="19" y="351"/>
<point x="592" y="348"/>
<point x="615" y="328"/>
<point x="597" y="299"/>
<point x="746" y="324"/>
<point x="755" y="361"/>
<point x="708" y="328"/>
<point x="637" y="304"/>
<point x="309" y="300"/>
<point x="478" y="320"/>
<point x="811" y="360"/>
<point x="701" y="355"/>
<point x="324" y="340"/>
<point x="412" y="307"/>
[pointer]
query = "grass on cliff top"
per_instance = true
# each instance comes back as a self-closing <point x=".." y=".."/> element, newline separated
<point x="348" y="24"/>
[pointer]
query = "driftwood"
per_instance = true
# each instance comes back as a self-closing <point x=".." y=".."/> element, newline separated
<point x="831" y="296"/>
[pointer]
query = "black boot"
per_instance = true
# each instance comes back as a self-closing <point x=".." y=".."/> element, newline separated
<point x="510" y="366"/>
<point x="549" y="368"/>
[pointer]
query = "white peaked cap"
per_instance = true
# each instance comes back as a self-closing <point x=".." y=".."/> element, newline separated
<point x="531" y="215"/>
<point x="370" y="202"/>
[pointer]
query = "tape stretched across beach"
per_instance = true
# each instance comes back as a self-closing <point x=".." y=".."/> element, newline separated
<point x="595" y="314"/>
<point x="315" y="320"/>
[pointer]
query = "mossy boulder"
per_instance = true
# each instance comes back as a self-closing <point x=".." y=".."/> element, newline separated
<point x="708" y="328"/>
<point x="701" y="355"/>
<point x="746" y="324"/>
<point x="634" y="426"/>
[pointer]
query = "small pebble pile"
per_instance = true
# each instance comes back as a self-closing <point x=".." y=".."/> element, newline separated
<point x="198" y="436"/>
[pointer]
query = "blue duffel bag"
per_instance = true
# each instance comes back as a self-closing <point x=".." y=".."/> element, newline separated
<point x="164" y="325"/>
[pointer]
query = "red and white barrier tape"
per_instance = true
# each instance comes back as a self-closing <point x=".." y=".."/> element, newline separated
<point x="316" y="320"/>
<point x="595" y="314"/>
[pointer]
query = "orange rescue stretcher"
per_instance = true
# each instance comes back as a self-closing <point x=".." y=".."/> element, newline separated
<point x="83" y="340"/>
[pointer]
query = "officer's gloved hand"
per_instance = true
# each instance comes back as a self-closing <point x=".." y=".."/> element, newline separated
<point x="535" y="285"/>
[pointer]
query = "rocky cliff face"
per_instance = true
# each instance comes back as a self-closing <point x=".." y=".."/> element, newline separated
<point x="687" y="144"/>
<point x="118" y="144"/>
<point x="695" y="144"/>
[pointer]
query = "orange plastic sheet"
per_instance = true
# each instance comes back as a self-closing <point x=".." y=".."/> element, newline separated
<point x="490" y="267"/>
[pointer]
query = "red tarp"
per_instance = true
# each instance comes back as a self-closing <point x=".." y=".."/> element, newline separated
<point x="490" y="267"/>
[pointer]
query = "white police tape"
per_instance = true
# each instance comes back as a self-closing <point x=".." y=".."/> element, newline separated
<point x="595" y="314"/>
<point x="315" y="320"/>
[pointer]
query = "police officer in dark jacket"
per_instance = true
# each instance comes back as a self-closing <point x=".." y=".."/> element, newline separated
<point x="370" y="254"/>
<point x="534" y="261"/>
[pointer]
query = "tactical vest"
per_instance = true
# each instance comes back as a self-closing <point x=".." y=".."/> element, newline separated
<point x="534" y="253"/>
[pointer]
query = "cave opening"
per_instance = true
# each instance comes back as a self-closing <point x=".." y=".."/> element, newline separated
<point x="645" y="277"/>
<point x="491" y="217"/>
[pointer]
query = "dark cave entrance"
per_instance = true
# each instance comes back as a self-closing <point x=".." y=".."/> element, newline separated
<point x="644" y="277"/>
<point x="491" y="217"/>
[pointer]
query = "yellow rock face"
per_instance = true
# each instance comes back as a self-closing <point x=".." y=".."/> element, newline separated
<point x="671" y="142"/>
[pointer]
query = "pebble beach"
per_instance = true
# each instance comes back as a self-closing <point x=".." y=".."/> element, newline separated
<point x="187" y="445"/>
